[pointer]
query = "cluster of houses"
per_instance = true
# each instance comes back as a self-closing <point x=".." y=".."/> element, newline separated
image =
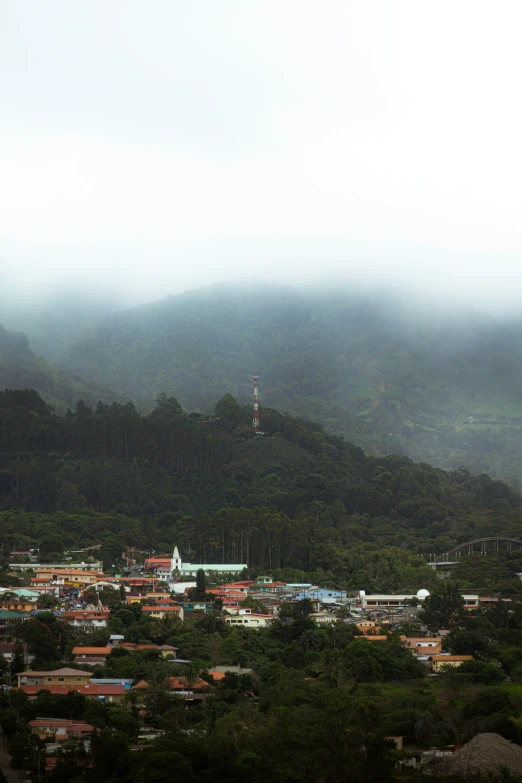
<point x="427" y="649"/>
<point x="166" y="590"/>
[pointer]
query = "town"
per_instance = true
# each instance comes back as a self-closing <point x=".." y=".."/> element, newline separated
<point x="167" y="629"/>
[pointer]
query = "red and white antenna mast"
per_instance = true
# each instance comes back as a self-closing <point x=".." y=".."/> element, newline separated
<point x="255" y="407"/>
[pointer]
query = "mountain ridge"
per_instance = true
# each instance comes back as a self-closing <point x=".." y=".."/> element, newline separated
<point x="435" y="385"/>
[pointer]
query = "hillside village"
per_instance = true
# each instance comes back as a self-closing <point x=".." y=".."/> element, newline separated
<point x="123" y="641"/>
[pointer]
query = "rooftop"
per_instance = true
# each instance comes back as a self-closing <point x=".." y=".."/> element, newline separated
<point x="451" y="657"/>
<point x="91" y="650"/>
<point x="65" y="672"/>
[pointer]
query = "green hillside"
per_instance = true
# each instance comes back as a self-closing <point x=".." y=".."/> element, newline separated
<point x="293" y="498"/>
<point x="437" y="387"/>
<point x="61" y="388"/>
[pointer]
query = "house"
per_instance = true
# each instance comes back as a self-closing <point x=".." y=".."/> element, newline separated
<point x="158" y="595"/>
<point x="167" y="650"/>
<point x="17" y="605"/>
<point x="230" y="668"/>
<point x="217" y="676"/>
<point x="65" y="676"/>
<point x="134" y="598"/>
<point x="250" y="620"/>
<point x="180" y="686"/>
<point x="265" y="584"/>
<point x="21" y="553"/>
<point x="392" y="601"/>
<point x="87" y="618"/>
<point x="183" y="684"/>
<point x="112" y="681"/>
<point x="439" y="661"/>
<point x="197" y="606"/>
<point x="91" y="655"/>
<point x="389" y="600"/>
<point x="323" y="618"/>
<point x="164" y="600"/>
<point x="373" y="637"/>
<point x="422" y="645"/>
<point x="368" y="627"/>
<point x="160" y="611"/>
<point x="471" y="601"/>
<point x="24" y="592"/>
<point x="181" y="587"/>
<point x="68" y="576"/>
<point x="115" y="639"/>
<point x="46" y="585"/>
<point x="321" y="594"/>
<point x="59" y="729"/>
<point x="238" y="589"/>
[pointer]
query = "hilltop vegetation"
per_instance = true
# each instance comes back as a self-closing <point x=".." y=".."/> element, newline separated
<point x="293" y="498"/>
<point x="440" y="388"/>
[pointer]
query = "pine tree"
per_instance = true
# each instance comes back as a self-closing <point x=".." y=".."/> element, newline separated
<point x="200" y="584"/>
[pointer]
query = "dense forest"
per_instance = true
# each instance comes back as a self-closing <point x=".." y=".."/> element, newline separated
<point x="293" y="498"/>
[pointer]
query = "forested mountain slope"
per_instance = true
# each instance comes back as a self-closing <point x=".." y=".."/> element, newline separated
<point x="53" y="321"/>
<point x="444" y="388"/>
<point x="20" y="368"/>
<point x="294" y="497"/>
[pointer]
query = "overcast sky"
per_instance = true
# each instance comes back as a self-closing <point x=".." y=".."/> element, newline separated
<point x="163" y="144"/>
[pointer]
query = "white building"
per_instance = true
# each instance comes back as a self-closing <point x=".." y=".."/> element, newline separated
<point x="180" y="587"/>
<point x="190" y="569"/>
<point x="248" y="619"/>
<point x="379" y="600"/>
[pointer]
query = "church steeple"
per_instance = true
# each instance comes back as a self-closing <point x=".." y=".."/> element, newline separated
<point x="176" y="562"/>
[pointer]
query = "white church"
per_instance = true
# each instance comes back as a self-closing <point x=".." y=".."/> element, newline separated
<point x="190" y="569"/>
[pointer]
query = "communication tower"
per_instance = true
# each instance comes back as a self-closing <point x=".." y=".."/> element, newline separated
<point x="255" y="407"/>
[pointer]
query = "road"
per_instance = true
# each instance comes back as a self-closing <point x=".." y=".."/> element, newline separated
<point x="5" y="761"/>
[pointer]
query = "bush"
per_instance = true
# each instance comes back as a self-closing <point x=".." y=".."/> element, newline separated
<point x="480" y="671"/>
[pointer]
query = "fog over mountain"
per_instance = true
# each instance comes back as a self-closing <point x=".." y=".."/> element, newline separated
<point x="390" y="374"/>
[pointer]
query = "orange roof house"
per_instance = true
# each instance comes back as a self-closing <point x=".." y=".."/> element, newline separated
<point x="91" y="655"/>
<point x="218" y="676"/>
<point x="422" y="645"/>
<point x="373" y="637"/>
<point x="180" y="684"/>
